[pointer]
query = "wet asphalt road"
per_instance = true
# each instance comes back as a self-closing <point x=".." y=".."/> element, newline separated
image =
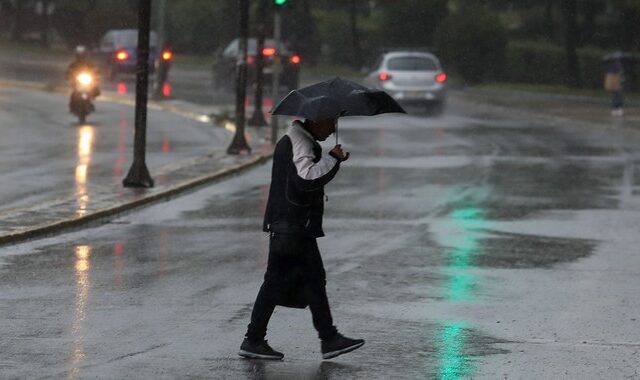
<point x="458" y="247"/>
<point x="45" y="153"/>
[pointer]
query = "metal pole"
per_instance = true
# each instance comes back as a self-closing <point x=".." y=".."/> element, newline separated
<point x="160" y="73"/>
<point x="277" y="21"/>
<point x="138" y="173"/>
<point x="239" y="143"/>
<point x="257" y="119"/>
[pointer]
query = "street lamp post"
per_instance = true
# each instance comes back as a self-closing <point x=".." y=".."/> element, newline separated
<point x="161" y="65"/>
<point x="257" y="119"/>
<point x="277" y="24"/>
<point x="138" y="175"/>
<point x="239" y="143"/>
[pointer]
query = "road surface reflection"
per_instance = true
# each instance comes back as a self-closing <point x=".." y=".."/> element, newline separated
<point x="82" y="266"/>
<point x="85" y="149"/>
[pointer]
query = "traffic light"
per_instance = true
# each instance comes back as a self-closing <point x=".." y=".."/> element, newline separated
<point x="279" y="3"/>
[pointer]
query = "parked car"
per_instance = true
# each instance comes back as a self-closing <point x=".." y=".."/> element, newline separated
<point x="410" y="77"/>
<point x="118" y="51"/>
<point x="224" y="66"/>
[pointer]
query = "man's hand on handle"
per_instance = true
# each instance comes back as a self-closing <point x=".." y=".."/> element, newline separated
<point x="338" y="154"/>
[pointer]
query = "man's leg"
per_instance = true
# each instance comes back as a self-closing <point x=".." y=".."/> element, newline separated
<point x="316" y="292"/>
<point x="262" y="311"/>
<point x="254" y="346"/>
<point x="266" y="299"/>
<point x="333" y="343"/>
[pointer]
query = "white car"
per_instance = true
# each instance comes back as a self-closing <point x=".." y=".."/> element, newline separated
<point x="410" y="77"/>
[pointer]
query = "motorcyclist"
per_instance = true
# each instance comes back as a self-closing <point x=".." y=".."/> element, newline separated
<point x="80" y="63"/>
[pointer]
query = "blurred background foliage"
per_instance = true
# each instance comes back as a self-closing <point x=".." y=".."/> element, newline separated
<point x="531" y="41"/>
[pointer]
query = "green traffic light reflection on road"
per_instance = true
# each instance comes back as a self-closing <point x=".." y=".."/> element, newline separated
<point x="471" y="224"/>
<point x="452" y="361"/>
<point x="467" y="229"/>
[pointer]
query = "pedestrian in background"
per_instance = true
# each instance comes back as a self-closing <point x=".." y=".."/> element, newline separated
<point x="614" y="83"/>
<point x="295" y="275"/>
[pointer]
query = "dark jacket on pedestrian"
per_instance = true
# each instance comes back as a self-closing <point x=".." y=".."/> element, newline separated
<point x="300" y="172"/>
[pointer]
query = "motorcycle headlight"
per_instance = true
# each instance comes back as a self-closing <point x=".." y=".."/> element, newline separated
<point x="84" y="79"/>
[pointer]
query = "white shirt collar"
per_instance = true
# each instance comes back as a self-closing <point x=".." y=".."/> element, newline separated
<point x="297" y="124"/>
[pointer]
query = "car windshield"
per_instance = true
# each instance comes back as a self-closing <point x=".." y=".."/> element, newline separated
<point x="412" y="64"/>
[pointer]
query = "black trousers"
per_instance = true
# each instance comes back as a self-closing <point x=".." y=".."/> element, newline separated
<point x="294" y="268"/>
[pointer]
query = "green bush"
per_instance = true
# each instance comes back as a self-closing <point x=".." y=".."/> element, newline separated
<point x="534" y="62"/>
<point x="473" y="43"/>
<point x="544" y="63"/>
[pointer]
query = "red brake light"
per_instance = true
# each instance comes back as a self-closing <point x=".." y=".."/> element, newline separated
<point x="167" y="55"/>
<point x="441" y="78"/>
<point x="166" y="89"/>
<point x="384" y="76"/>
<point x="295" y="59"/>
<point x="268" y="51"/>
<point x="122" y="55"/>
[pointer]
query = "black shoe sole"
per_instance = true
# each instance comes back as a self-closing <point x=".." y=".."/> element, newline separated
<point x="335" y="353"/>
<point x="251" y="355"/>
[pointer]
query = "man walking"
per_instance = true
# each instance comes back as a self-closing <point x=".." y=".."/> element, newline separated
<point x="295" y="275"/>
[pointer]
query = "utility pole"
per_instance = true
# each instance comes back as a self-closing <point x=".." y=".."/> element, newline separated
<point x="138" y="173"/>
<point x="277" y="25"/>
<point x="257" y="119"/>
<point x="239" y="143"/>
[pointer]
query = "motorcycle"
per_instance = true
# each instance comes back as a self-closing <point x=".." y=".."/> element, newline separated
<point x="84" y="91"/>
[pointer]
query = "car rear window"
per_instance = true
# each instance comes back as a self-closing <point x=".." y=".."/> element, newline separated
<point x="412" y="64"/>
<point x="129" y="38"/>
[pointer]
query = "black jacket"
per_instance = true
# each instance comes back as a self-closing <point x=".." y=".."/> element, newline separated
<point x="296" y="197"/>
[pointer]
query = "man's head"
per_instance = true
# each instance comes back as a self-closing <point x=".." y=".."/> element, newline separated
<point x="321" y="129"/>
<point x="81" y="52"/>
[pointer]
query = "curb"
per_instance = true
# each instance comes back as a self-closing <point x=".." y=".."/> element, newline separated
<point x="71" y="223"/>
<point x="165" y="194"/>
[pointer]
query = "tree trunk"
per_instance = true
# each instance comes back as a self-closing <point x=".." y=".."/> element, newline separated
<point x="356" y="60"/>
<point x="18" y="26"/>
<point x="590" y="11"/>
<point x="44" y="32"/>
<point x="548" y="11"/>
<point x="570" y="13"/>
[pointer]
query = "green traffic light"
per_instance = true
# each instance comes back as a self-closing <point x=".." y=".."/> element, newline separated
<point x="279" y="2"/>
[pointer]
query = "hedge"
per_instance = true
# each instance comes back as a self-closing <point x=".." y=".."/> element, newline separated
<point x="543" y="63"/>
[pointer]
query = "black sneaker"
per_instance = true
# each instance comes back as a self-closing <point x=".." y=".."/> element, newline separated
<point x="339" y="345"/>
<point x="259" y="350"/>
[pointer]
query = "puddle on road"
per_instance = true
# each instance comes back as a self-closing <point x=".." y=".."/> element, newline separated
<point x="504" y="250"/>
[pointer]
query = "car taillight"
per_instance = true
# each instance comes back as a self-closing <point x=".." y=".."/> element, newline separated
<point x="122" y="55"/>
<point x="384" y="76"/>
<point x="441" y="78"/>
<point x="167" y="55"/>
<point x="295" y="59"/>
<point x="268" y="52"/>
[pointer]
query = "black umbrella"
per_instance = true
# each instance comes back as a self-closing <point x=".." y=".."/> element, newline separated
<point x="334" y="98"/>
<point x="618" y="55"/>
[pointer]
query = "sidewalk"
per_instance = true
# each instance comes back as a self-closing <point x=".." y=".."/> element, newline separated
<point x="101" y="201"/>
<point x="555" y="109"/>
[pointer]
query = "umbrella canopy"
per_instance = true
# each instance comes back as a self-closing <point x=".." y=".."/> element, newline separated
<point x="618" y="55"/>
<point x="334" y="98"/>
